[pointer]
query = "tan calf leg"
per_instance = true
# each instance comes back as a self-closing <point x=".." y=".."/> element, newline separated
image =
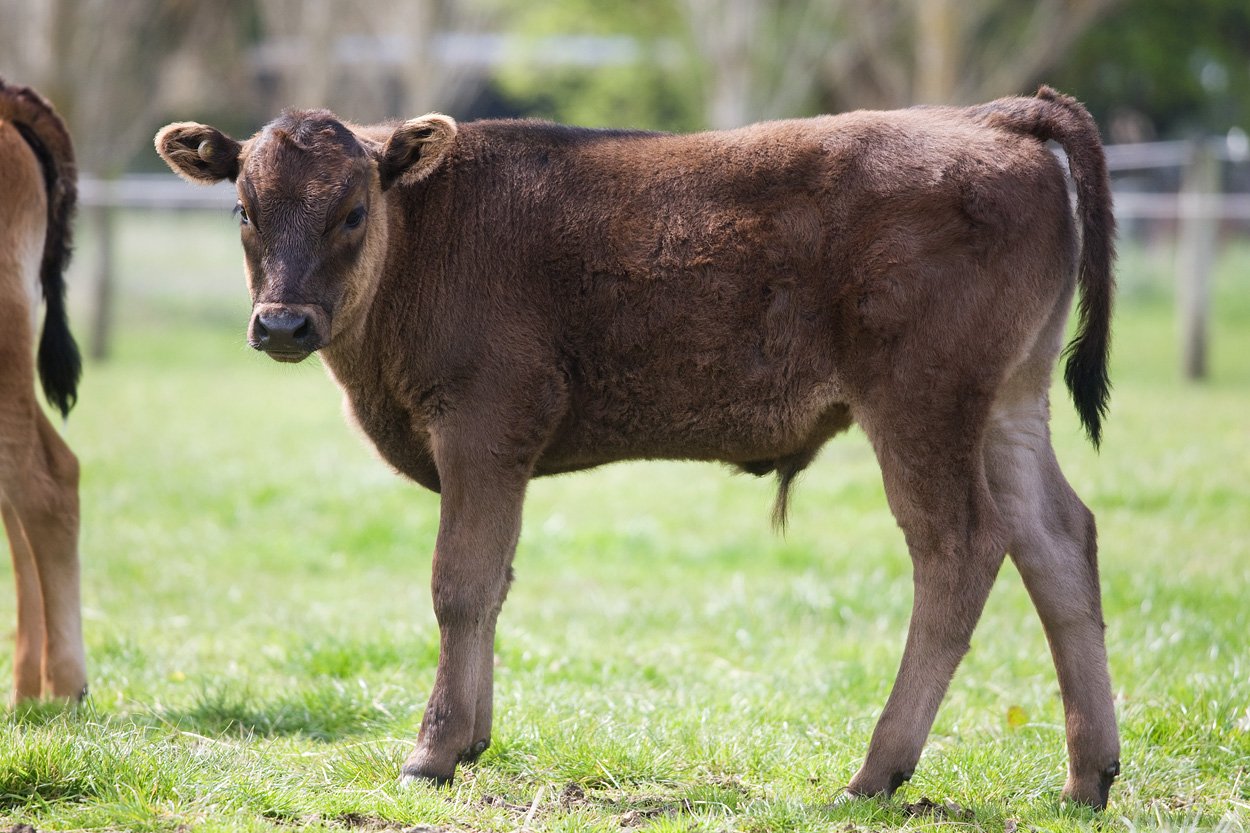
<point x="28" y="650"/>
<point x="41" y="496"/>
<point x="54" y="538"/>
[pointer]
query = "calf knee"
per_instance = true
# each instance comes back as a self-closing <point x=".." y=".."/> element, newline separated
<point x="466" y="597"/>
<point x="46" y="501"/>
<point x="467" y="602"/>
<point x="60" y="461"/>
<point x="458" y="606"/>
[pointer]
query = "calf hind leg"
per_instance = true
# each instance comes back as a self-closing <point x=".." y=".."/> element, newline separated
<point x="51" y="524"/>
<point x="28" y="650"/>
<point x="1053" y="545"/>
<point x="41" y="517"/>
<point x="957" y="543"/>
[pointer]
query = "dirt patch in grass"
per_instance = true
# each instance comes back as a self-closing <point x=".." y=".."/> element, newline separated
<point x="946" y="810"/>
<point x="629" y="811"/>
<point x="636" y="817"/>
<point x="573" y="796"/>
<point x="503" y="804"/>
<point x="360" y="821"/>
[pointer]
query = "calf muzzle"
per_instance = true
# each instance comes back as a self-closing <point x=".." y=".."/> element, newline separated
<point x="288" y="333"/>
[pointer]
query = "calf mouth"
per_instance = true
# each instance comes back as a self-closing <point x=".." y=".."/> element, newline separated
<point x="286" y="356"/>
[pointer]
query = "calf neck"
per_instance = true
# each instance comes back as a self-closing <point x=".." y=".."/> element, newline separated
<point x="502" y="300"/>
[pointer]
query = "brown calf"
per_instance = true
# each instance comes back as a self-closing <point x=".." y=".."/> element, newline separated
<point x="503" y="300"/>
<point x="38" y="472"/>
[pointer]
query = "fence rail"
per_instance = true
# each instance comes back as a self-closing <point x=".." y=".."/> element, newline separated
<point x="153" y="191"/>
<point x="1235" y="148"/>
<point x="1153" y="206"/>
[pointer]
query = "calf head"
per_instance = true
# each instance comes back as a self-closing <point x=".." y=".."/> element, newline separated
<point x="312" y="213"/>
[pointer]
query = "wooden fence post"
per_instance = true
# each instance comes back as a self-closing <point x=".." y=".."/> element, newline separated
<point x="1195" y="256"/>
<point x="102" y="313"/>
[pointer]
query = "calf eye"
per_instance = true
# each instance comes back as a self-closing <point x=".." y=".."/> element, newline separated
<point x="241" y="213"/>
<point x="355" y="218"/>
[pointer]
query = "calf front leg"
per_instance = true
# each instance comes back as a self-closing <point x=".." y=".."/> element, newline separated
<point x="478" y="530"/>
<point x="483" y="715"/>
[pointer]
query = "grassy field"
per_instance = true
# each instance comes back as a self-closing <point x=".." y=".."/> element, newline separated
<point x="261" y="641"/>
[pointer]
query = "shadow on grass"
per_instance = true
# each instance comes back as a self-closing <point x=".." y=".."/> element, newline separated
<point x="39" y="713"/>
<point x="328" y="711"/>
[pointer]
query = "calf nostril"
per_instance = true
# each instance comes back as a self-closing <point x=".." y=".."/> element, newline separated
<point x="284" y="331"/>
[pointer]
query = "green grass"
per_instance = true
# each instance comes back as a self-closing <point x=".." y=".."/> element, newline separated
<point x="261" y="641"/>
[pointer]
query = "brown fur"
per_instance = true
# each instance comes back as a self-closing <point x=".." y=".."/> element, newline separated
<point x="524" y="299"/>
<point x="38" y="472"/>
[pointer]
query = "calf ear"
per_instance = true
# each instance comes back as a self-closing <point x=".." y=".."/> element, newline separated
<point x="415" y="149"/>
<point x="198" y="153"/>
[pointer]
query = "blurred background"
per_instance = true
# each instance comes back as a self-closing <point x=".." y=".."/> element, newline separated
<point x="1168" y="81"/>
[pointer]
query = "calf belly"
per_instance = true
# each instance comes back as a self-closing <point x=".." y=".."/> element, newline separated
<point x="748" y="419"/>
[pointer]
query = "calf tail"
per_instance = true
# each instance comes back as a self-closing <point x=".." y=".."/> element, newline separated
<point x="1052" y="115"/>
<point x="58" y="360"/>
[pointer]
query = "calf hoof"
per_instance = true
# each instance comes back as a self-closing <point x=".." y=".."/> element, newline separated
<point x="420" y="768"/>
<point x="475" y="751"/>
<point x="1092" y="791"/>
<point x="425" y="768"/>
<point x="66" y="688"/>
<point x="412" y="774"/>
<point x="863" y="785"/>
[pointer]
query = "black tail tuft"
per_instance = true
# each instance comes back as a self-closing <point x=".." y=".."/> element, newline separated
<point x="1085" y="373"/>
<point x="60" y="364"/>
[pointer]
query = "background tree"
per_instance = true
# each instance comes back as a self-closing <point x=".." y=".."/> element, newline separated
<point x="722" y="63"/>
<point x="111" y="66"/>
<point x="905" y="52"/>
<point x="384" y="59"/>
<point x="1165" y="68"/>
<point x="760" y="59"/>
<point x="116" y="68"/>
<point x="601" y="64"/>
